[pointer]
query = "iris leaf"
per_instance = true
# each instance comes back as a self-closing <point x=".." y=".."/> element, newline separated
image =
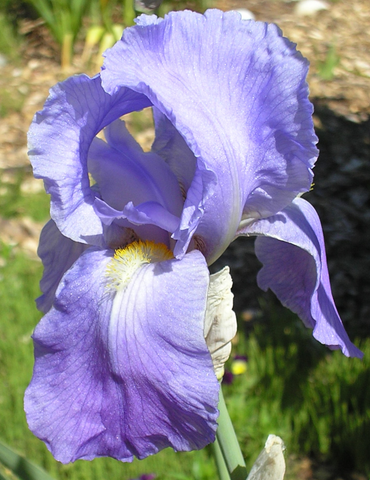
<point x="20" y="466"/>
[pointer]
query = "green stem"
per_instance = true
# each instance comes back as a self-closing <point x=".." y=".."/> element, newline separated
<point x="67" y="49"/>
<point x="128" y="12"/>
<point x="228" y="443"/>
<point x="222" y="470"/>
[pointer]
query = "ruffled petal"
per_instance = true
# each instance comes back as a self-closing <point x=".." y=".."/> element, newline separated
<point x="150" y="220"/>
<point x="291" y="247"/>
<point x="127" y="373"/>
<point x="58" y="253"/>
<point x="236" y="93"/>
<point x="59" y="140"/>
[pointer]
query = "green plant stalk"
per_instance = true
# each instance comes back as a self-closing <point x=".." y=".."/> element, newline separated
<point x="106" y="16"/>
<point x="222" y="470"/>
<point x="20" y="466"/>
<point x="67" y="50"/>
<point x="64" y="19"/>
<point x="128" y="13"/>
<point x="229" y="444"/>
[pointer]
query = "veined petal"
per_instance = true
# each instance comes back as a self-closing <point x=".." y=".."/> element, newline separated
<point x="171" y="146"/>
<point x="291" y="247"/>
<point x="59" y="140"/>
<point x="199" y="193"/>
<point x="58" y="253"/>
<point x="151" y="213"/>
<point x="124" y="173"/>
<point x="150" y="220"/>
<point x="196" y="181"/>
<point x="236" y="93"/>
<point x="124" y="373"/>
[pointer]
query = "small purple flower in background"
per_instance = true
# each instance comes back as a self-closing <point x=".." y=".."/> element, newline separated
<point x="228" y="378"/>
<point x="146" y="476"/>
<point x="136" y="331"/>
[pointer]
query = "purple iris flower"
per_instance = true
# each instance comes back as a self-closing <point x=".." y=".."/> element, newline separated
<point x="122" y="366"/>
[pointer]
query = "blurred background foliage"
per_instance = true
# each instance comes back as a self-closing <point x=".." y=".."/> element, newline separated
<point x="96" y="22"/>
<point x="318" y="401"/>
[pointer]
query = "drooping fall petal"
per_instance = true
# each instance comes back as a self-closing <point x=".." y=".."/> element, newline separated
<point x="291" y="247"/>
<point x="124" y="373"/>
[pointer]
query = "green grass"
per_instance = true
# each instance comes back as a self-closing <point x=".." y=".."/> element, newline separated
<point x="318" y="401"/>
<point x="331" y="61"/>
<point x="15" y="203"/>
<point x="11" y="100"/>
<point x="138" y="122"/>
<point x="10" y="40"/>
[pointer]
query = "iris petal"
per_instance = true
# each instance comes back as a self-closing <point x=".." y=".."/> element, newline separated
<point x="58" y="253"/>
<point x="59" y="140"/>
<point x="170" y="145"/>
<point x="125" y="173"/>
<point x="196" y="180"/>
<point x="236" y="93"/>
<point x="150" y="220"/>
<point x="128" y="373"/>
<point x="291" y="247"/>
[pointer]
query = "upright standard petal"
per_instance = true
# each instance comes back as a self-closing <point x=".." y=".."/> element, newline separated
<point x="124" y="373"/>
<point x="236" y="93"/>
<point x="59" y="139"/>
<point x="291" y="247"/>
